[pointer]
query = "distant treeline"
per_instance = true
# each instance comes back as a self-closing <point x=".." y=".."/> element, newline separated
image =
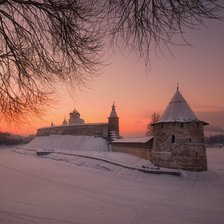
<point x="215" y="140"/>
<point x="11" y="139"/>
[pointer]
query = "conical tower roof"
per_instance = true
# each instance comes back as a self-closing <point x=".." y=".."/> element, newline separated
<point x="113" y="111"/>
<point x="178" y="110"/>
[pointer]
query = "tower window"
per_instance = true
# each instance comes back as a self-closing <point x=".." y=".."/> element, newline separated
<point x="173" y="139"/>
<point x="182" y="125"/>
<point x="190" y="140"/>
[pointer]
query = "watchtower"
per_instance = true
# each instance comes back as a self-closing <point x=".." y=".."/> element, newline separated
<point x="113" y="123"/>
<point x="178" y="138"/>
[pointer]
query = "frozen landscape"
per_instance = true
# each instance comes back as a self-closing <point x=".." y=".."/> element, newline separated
<point x="63" y="189"/>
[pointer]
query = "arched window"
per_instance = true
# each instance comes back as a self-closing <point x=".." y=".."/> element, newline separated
<point x="190" y="140"/>
<point x="182" y="125"/>
<point x="173" y="139"/>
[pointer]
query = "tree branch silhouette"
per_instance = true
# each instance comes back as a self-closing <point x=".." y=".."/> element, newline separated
<point x="143" y="25"/>
<point x="43" y="43"/>
<point x="46" y="42"/>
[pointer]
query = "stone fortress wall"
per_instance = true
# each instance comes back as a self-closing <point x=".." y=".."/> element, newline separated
<point x="99" y="130"/>
<point x="179" y="145"/>
<point x="77" y="126"/>
<point x="141" y="146"/>
<point x="136" y="151"/>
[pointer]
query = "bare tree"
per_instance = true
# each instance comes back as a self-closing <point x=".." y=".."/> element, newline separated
<point x="44" y="42"/>
<point x="142" y="25"/>
<point x="154" y="118"/>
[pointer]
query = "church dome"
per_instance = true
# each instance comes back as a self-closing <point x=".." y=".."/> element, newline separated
<point x="75" y="118"/>
<point x="75" y="112"/>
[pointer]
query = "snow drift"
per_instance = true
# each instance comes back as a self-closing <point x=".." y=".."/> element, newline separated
<point x="68" y="143"/>
<point x="72" y="148"/>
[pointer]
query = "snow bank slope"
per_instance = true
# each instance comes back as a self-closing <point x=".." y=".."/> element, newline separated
<point x="68" y="143"/>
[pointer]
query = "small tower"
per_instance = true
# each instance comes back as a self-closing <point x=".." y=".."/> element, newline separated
<point x="64" y="122"/>
<point x="113" y="124"/>
<point x="178" y="138"/>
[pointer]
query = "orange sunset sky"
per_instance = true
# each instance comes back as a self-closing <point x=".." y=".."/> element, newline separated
<point x="139" y="91"/>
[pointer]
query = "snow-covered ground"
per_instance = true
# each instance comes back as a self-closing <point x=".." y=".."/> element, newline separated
<point x="87" y="151"/>
<point x="36" y="190"/>
<point x="84" y="146"/>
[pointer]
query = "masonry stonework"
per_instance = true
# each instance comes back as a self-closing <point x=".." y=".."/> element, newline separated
<point x="140" y="147"/>
<point x="137" y="151"/>
<point x="113" y="123"/>
<point x="179" y="145"/>
<point x="179" y="137"/>
<point x="87" y="129"/>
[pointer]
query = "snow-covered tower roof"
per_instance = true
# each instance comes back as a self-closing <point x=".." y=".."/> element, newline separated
<point x="178" y="110"/>
<point x="113" y="111"/>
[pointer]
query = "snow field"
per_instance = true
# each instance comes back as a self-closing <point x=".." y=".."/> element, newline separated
<point x="65" y="189"/>
<point x="34" y="190"/>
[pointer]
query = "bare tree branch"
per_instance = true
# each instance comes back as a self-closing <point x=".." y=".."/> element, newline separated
<point x="143" y="25"/>
<point x="43" y="43"/>
<point x="46" y="42"/>
<point x="154" y="118"/>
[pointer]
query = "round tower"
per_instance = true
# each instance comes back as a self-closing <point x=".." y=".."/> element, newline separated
<point x="178" y="138"/>
<point x="113" y="123"/>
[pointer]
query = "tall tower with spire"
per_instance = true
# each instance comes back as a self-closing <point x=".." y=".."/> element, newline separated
<point x="113" y="123"/>
<point x="178" y="137"/>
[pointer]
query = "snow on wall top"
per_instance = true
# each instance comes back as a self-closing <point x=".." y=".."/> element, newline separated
<point x="134" y="140"/>
<point x="178" y="110"/>
<point x="70" y="125"/>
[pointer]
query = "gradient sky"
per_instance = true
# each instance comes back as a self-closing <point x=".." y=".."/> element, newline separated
<point x="139" y="92"/>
